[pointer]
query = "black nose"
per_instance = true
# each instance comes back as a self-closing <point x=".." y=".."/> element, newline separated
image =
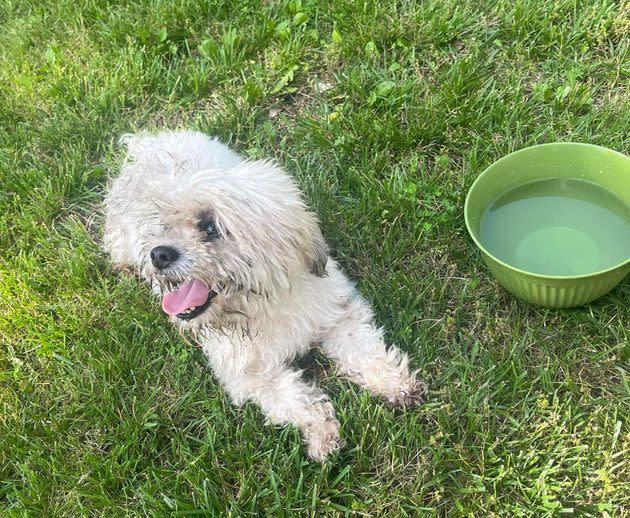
<point x="162" y="256"/>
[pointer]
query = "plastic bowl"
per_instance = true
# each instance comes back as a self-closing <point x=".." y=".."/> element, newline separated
<point x="604" y="167"/>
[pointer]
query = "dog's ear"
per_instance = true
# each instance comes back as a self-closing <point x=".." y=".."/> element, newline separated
<point x="319" y="256"/>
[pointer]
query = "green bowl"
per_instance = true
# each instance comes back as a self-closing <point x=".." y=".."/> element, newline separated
<point x="604" y="167"/>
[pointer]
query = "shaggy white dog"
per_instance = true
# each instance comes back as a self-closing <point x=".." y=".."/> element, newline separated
<point x="240" y="263"/>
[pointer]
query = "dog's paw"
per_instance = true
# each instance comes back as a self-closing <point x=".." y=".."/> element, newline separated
<point x="323" y="438"/>
<point x="409" y="395"/>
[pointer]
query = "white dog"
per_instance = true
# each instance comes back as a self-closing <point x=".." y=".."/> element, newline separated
<point x="240" y="263"/>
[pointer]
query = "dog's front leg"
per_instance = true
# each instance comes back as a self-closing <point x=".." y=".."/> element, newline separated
<point x="357" y="347"/>
<point x="285" y="398"/>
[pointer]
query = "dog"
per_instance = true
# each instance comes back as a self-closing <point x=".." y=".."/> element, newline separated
<point x="241" y="267"/>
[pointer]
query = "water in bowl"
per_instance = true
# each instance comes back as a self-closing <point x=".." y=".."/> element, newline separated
<point x="558" y="226"/>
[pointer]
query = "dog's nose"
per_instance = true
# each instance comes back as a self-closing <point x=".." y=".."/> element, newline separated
<point x="162" y="256"/>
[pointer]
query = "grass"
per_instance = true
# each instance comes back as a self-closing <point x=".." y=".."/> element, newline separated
<point x="385" y="112"/>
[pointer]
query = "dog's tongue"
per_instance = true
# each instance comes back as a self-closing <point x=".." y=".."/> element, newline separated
<point x="192" y="293"/>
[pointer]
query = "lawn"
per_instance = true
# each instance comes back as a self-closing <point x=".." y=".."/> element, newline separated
<point x="385" y="112"/>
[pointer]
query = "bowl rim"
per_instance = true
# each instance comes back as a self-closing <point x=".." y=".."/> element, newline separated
<point x="514" y="268"/>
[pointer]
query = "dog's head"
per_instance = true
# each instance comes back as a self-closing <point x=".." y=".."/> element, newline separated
<point x="207" y="229"/>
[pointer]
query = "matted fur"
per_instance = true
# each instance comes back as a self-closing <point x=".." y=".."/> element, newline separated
<point x="278" y="292"/>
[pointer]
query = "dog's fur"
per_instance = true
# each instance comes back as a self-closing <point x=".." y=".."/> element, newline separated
<point x="277" y="291"/>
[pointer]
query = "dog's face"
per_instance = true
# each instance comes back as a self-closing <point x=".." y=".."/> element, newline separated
<point x="211" y="233"/>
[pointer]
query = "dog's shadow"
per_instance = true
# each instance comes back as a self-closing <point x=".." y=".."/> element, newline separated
<point x="315" y="367"/>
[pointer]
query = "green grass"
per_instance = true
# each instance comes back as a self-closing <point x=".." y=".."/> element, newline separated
<point x="385" y="111"/>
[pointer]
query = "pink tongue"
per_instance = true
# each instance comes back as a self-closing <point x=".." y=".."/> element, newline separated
<point x="192" y="293"/>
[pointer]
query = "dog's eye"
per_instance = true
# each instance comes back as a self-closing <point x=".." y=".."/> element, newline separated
<point x="209" y="226"/>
